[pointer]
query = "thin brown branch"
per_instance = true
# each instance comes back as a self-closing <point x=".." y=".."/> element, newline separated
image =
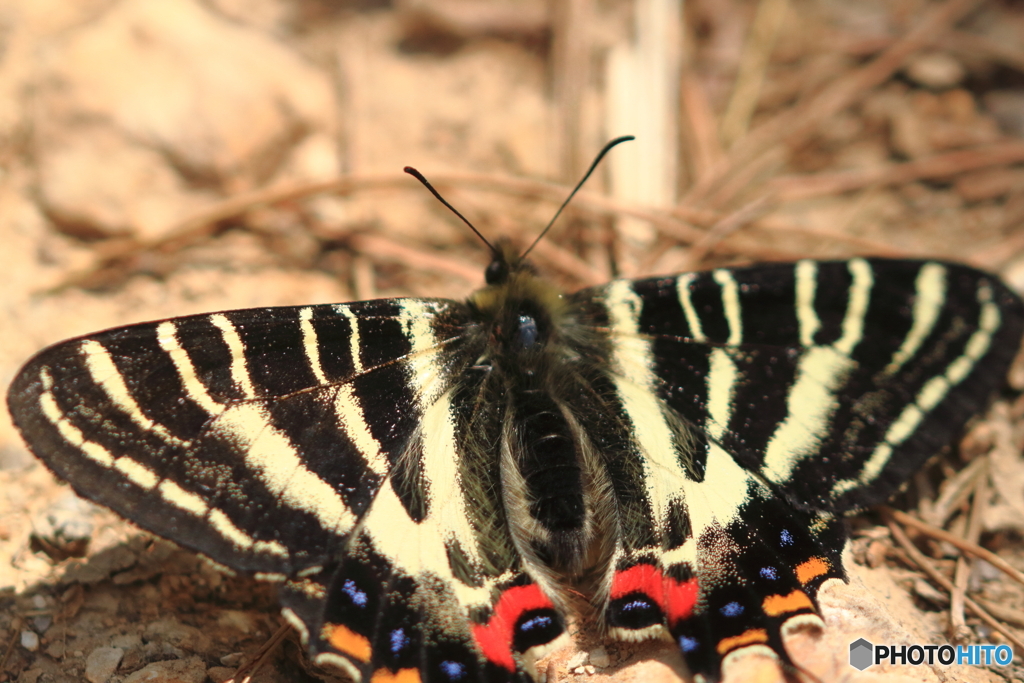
<point x="383" y="248"/>
<point x="728" y="225"/>
<point x="926" y="566"/>
<point x="201" y="224"/>
<point x="248" y="670"/>
<point x="969" y="548"/>
<point x="938" y="167"/>
<point x="957" y="622"/>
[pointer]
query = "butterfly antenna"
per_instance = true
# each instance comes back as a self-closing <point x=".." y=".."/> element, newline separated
<point x="426" y="183"/>
<point x="593" y="165"/>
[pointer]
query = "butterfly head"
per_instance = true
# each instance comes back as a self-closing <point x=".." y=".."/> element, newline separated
<point x="522" y="310"/>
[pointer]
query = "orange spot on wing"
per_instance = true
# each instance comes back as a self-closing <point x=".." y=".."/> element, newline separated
<point x="811" y="569"/>
<point x="774" y="605"/>
<point x="348" y="641"/>
<point x="751" y="636"/>
<point x="400" y="676"/>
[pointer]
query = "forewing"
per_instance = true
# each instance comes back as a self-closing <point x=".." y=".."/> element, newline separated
<point x="832" y="380"/>
<point x="257" y="437"/>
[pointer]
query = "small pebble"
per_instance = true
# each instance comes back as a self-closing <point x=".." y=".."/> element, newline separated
<point x="935" y="70"/>
<point x="578" y="660"/>
<point x="30" y="640"/>
<point x="233" y="659"/>
<point x="102" y="663"/>
<point x="599" y="657"/>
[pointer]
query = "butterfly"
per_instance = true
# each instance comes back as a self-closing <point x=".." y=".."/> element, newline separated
<point x="436" y="486"/>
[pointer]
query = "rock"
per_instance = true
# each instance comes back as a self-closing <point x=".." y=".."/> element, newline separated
<point x="577" y="661"/>
<point x="126" y="641"/>
<point x="219" y="674"/>
<point x="244" y="622"/>
<point x="189" y="670"/>
<point x="30" y="640"/>
<point x="132" y="189"/>
<point x="599" y="657"/>
<point x="177" y="634"/>
<point x="101" y="664"/>
<point x="157" y="97"/>
<point x="100" y="566"/>
<point x="232" y="660"/>
<point x="63" y="530"/>
<point x="30" y="676"/>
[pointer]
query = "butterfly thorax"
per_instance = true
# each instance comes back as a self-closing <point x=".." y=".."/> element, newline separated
<point x="540" y="364"/>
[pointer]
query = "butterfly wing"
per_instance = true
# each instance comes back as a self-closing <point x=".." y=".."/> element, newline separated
<point x="314" y="446"/>
<point x="832" y="380"/>
<point x="759" y="403"/>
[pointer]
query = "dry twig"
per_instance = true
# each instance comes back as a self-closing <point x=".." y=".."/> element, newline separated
<point x="922" y="562"/>
<point x="957" y="622"/>
<point x="969" y="548"/>
<point x="248" y="670"/>
<point x="940" y="166"/>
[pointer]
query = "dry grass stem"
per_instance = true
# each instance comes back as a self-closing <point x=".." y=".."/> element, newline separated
<point x="969" y="548"/>
<point x="926" y="566"/>
<point x="751" y="74"/>
<point x="954" y="492"/>
<point x="380" y="248"/>
<point x="957" y="622"/>
<point x="247" y="671"/>
<point x="938" y="167"/>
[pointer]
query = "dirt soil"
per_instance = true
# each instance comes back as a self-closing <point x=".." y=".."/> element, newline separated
<point x="166" y="157"/>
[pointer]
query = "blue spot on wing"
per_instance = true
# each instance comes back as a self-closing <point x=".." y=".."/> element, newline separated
<point x="732" y="609"/>
<point x="535" y="622"/>
<point x="636" y="604"/>
<point x="399" y="641"/>
<point x="769" y="573"/>
<point x="455" y="671"/>
<point x="688" y="644"/>
<point x="785" y="538"/>
<point x="354" y="593"/>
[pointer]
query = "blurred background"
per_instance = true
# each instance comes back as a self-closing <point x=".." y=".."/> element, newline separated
<point x="166" y="157"/>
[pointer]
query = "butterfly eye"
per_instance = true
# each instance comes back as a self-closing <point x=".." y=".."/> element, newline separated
<point x="496" y="272"/>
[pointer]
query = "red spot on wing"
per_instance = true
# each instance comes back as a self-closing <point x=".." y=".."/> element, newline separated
<point x="675" y="598"/>
<point x="640" y="578"/>
<point x="681" y="598"/>
<point x="495" y="637"/>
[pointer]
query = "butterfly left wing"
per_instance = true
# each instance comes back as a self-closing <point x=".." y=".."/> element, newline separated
<point x="312" y="446"/>
<point x="752" y="398"/>
<point x="832" y="380"/>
